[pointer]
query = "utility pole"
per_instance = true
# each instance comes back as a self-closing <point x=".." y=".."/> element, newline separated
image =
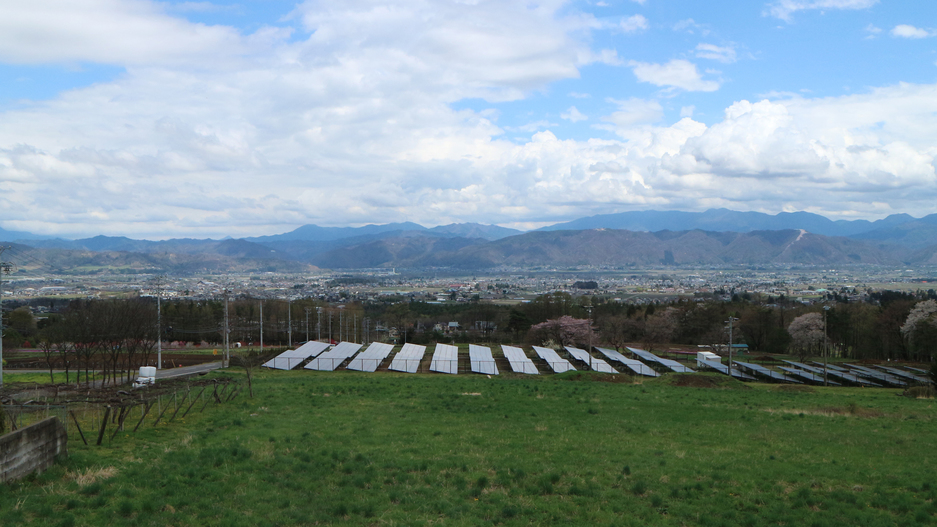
<point x="319" y="324"/>
<point x="330" y="327"/>
<point x="289" y="318"/>
<point x="159" y="323"/>
<point x="589" y="309"/>
<point x="307" y="310"/>
<point x="354" y="329"/>
<point x="826" y="346"/>
<point x="227" y="352"/>
<point x="340" y="320"/>
<point x="261" y="327"/>
<point x="4" y="268"/>
<point x="731" y="319"/>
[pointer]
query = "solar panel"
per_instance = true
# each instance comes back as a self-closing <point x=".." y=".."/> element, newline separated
<point x="843" y="375"/>
<point x="482" y="361"/>
<point x="807" y="375"/>
<point x="650" y="357"/>
<point x="445" y="359"/>
<point x="519" y="360"/>
<point x="333" y="358"/>
<point x="722" y="368"/>
<point x="877" y="375"/>
<point x="290" y="359"/>
<point x="634" y="365"/>
<point x="557" y="364"/>
<point x="369" y="359"/>
<point x="765" y="371"/>
<point x="904" y="374"/>
<point x="595" y="364"/>
<point x="408" y="358"/>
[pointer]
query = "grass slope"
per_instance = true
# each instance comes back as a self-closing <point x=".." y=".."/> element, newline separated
<point x="347" y="448"/>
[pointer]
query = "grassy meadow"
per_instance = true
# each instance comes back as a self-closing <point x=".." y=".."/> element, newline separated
<point x="347" y="448"/>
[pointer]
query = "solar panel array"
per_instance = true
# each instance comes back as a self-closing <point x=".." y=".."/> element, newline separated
<point x="904" y="374"/>
<point x="879" y="376"/>
<point x="290" y="359"/>
<point x="519" y="360"/>
<point x="557" y="364"/>
<point x="334" y="358"/>
<point x="445" y="359"/>
<point x="482" y="361"/>
<point x="722" y="368"/>
<point x="810" y="376"/>
<point x="650" y="357"/>
<point x="408" y="358"/>
<point x="766" y="372"/>
<point x="595" y="364"/>
<point x="369" y="359"/>
<point x="844" y="375"/>
<point x="634" y="365"/>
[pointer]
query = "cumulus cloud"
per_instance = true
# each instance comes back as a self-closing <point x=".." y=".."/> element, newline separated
<point x="906" y="31"/>
<point x="573" y="115"/>
<point x="783" y="9"/>
<point x="677" y="73"/>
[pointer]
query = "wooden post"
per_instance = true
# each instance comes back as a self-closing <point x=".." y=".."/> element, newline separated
<point x="146" y="410"/>
<point x="78" y="426"/>
<point x="178" y="407"/>
<point x="194" y="401"/>
<point x="107" y="413"/>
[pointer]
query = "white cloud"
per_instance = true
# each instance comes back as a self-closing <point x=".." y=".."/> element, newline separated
<point x="574" y="115"/>
<point x="783" y="9"/>
<point x="355" y="123"/>
<point x="119" y="32"/>
<point x="872" y="30"/>
<point x="906" y="31"/>
<point x="724" y="54"/>
<point x="677" y="73"/>
<point x="577" y="95"/>
<point x="633" y="24"/>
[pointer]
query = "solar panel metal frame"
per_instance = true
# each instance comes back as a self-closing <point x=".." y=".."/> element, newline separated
<point x="290" y="359"/>
<point x="672" y="364"/>
<point x="635" y="366"/>
<point x="557" y="364"/>
<point x="481" y="360"/>
<point x="595" y="364"/>
<point x="334" y="358"/>
<point x="369" y="359"/>
<point x="519" y="360"/>
<point x="445" y="359"/>
<point x="408" y="358"/>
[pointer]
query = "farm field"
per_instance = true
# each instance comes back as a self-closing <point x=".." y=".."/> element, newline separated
<point x="347" y="448"/>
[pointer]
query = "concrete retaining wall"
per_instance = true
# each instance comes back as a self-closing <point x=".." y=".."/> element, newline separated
<point x="32" y="449"/>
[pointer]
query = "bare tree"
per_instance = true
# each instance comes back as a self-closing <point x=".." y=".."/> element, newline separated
<point x="661" y="327"/>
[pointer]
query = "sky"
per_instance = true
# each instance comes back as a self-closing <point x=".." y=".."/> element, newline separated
<point x="239" y="118"/>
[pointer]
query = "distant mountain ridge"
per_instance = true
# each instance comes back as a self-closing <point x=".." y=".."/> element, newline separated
<point x="724" y="220"/>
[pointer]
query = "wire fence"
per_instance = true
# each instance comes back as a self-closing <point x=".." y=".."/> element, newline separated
<point x="101" y="414"/>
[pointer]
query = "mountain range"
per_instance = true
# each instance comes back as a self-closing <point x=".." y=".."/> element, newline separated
<point x="713" y="237"/>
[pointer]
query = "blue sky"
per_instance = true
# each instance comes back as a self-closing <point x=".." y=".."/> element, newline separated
<point x="166" y="119"/>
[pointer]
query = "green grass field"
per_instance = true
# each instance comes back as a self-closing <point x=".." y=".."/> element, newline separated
<point x="348" y="448"/>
